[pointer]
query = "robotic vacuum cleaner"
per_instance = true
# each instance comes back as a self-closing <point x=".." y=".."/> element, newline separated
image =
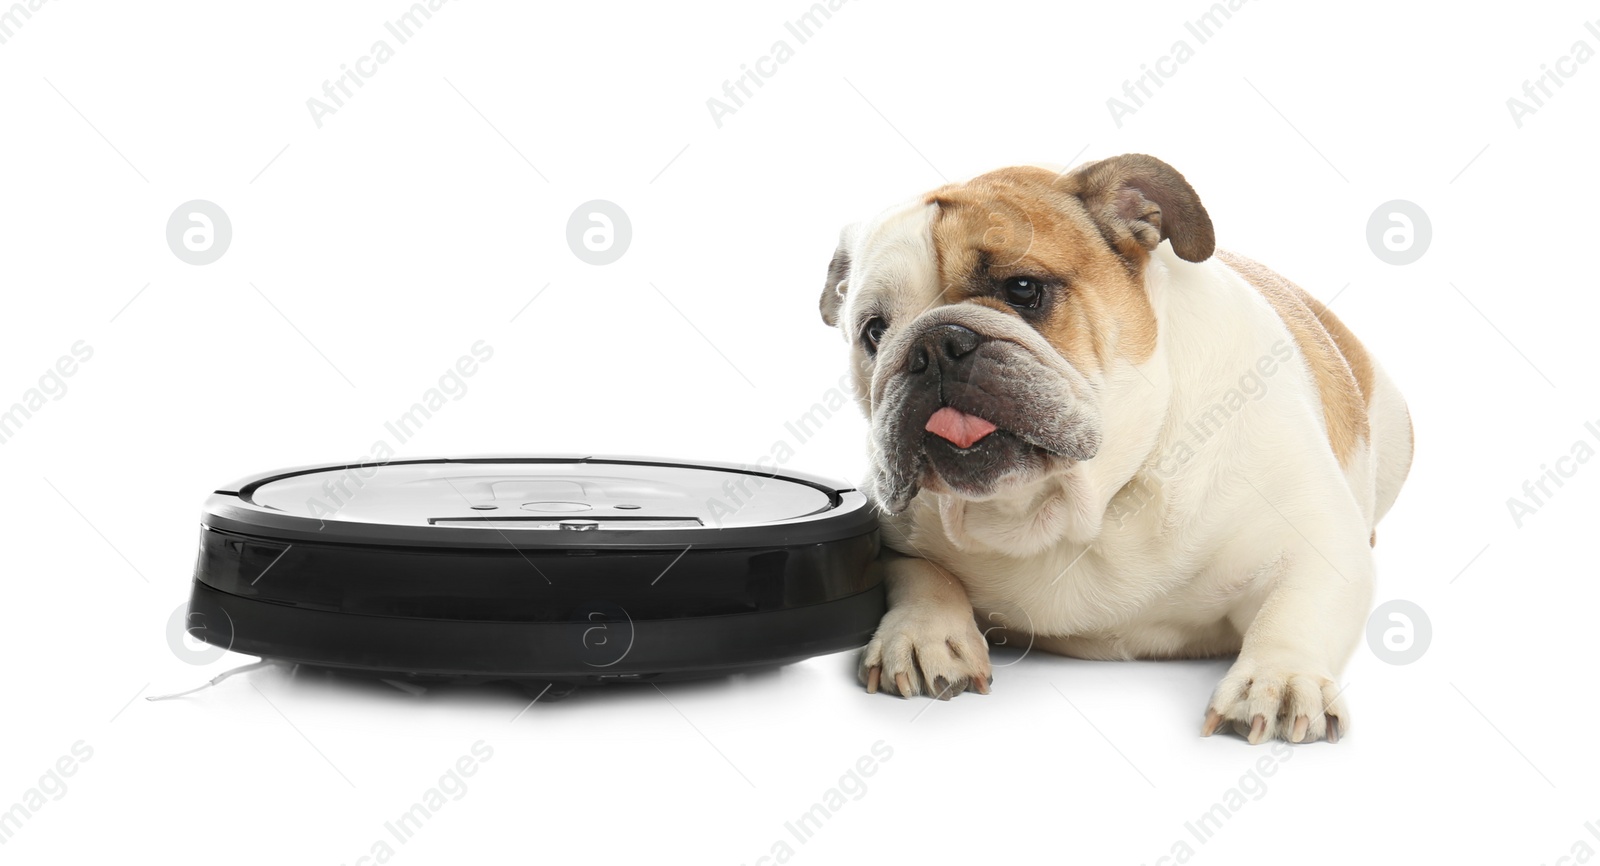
<point x="571" y="569"/>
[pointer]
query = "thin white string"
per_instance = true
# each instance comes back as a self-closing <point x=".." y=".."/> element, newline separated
<point x="216" y="679"/>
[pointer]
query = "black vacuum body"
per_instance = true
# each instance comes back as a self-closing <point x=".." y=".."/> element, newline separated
<point x="569" y="570"/>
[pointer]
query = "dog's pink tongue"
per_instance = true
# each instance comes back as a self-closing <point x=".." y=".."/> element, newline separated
<point x="959" y="428"/>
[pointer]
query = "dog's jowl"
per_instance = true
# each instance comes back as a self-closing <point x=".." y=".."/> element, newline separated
<point x="1096" y="434"/>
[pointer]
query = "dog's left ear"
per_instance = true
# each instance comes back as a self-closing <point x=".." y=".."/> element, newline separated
<point x="1144" y="201"/>
<point x="838" y="278"/>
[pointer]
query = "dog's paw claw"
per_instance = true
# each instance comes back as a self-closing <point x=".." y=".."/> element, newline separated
<point x="940" y="655"/>
<point x="1262" y="702"/>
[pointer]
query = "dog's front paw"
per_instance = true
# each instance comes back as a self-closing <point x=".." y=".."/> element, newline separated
<point x="918" y="651"/>
<point x="1263" y="701"/>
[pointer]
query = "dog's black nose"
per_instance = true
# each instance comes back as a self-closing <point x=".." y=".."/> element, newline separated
<point x="950" y="341"/>
<point x="955" y="340"/>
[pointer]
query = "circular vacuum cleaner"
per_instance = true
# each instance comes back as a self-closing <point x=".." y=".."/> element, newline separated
<point x="570" y="570"/>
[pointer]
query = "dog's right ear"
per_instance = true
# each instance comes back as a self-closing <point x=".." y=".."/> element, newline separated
<point x="838" y="278"/>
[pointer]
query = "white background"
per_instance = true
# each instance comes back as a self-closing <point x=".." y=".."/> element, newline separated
<point x="375" y="250"/>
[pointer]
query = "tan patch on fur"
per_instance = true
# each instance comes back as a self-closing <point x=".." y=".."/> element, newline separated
<point x="1020" y="222"/>
<point x="1339" y="363"/>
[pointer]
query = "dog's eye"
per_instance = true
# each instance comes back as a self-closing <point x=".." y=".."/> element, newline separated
<point x="872" y="333"/>
<point x="1022" y="292"/>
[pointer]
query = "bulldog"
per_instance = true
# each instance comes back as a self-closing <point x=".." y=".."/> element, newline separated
<point x="1095" y="434"/>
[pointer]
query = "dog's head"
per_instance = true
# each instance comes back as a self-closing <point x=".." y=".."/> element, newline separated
<point x="986" y="316"/>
